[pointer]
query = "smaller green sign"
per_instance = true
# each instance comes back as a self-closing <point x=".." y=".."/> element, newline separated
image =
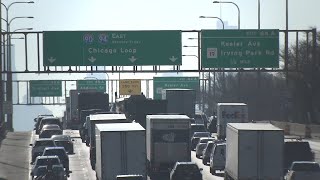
<point x="160" y="83"/>
<point x="45" y="88"/>
<point x="240" y="48"/>
<point x="96" y="85"/>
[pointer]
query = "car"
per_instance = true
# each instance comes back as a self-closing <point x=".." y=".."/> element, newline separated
<point x="197" y="128"/>
<point x="39" y="145"/>
<point x="48" y="161"/>
<point x="186" y="171"/>
<point x="296" y="150"/>
<point x="65" y="141"/>
<point x="49" y="130"/>
<point x="38" y="119"/>
<point x="200" y="118"/>
<point x="61" y="153"/>
<point x="201" y="145"/>
<point x="196" y="137"/>
<point x="218" y="157"/>
<point x="49" y="120"/>
<point x="206" y="152"/>
<point x="303" y="170"/>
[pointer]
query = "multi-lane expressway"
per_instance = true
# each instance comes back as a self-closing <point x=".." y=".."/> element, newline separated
<point x="15" y="155"/>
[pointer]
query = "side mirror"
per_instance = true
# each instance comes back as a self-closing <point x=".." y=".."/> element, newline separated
<point x="35" y="119"/>
<point x="31" y="145"/>
<point x="72" y="139"/>
<point x="201" y="169"/>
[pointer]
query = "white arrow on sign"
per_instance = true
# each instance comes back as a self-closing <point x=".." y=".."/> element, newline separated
<point x="132" y="59"/>
<point x="92" y="59"/>
<point x="51" y="59"/>
<point x="173" y="59"/>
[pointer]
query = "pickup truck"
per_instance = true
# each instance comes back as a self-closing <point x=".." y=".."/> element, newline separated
<point x="303" y="170"/>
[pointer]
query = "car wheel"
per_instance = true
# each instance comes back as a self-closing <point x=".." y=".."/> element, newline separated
<point x="204" y="162"/>
<point x="213" y="172"/>
<point x="197" y="156"/>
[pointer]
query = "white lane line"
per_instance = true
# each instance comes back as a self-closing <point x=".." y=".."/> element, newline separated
<point x="29" y="154"/>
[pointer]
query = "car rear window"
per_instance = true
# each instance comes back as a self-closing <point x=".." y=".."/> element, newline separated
<point x="187" y="167"/>
<point x="205" y="140"/>
<point x="53" y="161"/>
<point x="44" y="143"/>
<point x="58" y="152"/>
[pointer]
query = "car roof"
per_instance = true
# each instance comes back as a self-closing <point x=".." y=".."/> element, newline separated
<point x="201" y="132"/>
<point x="185" y="163"/>
<point x="61" y="137"/>
<point x="50" y="117"/>
<point x="44" y="139"/>
<point x="51" y="127"/>
<point x="54" y="148"/>
<point x="48" y="157"/>
<point x="305" y="162"/>
<point x="206" y="138"/>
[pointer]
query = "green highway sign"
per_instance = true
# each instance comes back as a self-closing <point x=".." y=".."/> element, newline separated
<point x="160" y="83"/>
<point x="112" y="48"/>
<point x="240" y="48"/>
<point x="97" y="85"/>
<point x="45" y="88"/>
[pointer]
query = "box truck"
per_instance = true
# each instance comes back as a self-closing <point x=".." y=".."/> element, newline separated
<point x="167" y="142"/>
<point x="254" y="151"/>
<point x="120" y="149"/>
<point x="100" y="119"/>
<point x="230" y="113"/>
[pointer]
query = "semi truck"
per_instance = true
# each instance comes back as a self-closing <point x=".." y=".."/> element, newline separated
<point x="95" y="119"/>
<point x="136" y="107"/>
<point x="230" y="113"/>
<point x="180" y="101"/>
<point x="84" y="100"/>
<point x="120" y="149"/>
<point x="254" y="151"/>
<point x="167" y="142"/>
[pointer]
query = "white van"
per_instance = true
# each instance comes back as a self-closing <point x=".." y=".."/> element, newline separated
<point x="218" y="158"/>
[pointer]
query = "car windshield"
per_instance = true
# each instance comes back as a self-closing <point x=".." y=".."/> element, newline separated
<point x="44" y="143"/>
<point x="306" y="167"/>
<point x="202" y="134"/>
<point x="48" y="161"/>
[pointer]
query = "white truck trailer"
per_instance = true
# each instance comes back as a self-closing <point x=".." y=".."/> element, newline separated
<point x="254" y="151"/>
<point x="120" y="149"/>
<point x="100" y="119"/>
<point x="167" y="142"/>
<point x="230" y="113"/>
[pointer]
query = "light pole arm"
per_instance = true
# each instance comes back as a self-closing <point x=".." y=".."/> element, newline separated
<point x="233" y="4"/>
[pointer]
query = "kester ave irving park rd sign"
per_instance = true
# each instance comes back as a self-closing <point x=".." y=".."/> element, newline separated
<point x="111" y="48"/>
<point x="240" y="48"/>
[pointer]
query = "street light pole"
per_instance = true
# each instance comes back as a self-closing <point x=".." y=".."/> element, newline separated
<point x="229" y="2"/>
<point x="9" y="72"/>
<point x="214" y="18"/>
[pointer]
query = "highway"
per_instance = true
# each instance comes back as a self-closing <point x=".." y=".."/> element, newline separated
<point x="15" y="155"/>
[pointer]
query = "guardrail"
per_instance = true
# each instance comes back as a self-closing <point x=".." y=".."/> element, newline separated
<point x="303" y="130"/>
